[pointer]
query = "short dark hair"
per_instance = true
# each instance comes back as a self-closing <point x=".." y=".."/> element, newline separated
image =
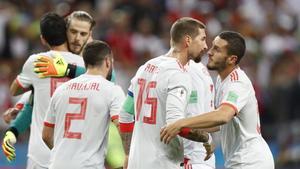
<point x="53" y="29"/>
<point x="82" y="16"/>
<point x="185" y="26"/>
<point x="95" y="52"/>
<point x="235" y="44"/>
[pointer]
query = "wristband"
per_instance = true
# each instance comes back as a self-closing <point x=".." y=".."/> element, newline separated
<point x="71" y="71"/>
<point x="184" y="132"/>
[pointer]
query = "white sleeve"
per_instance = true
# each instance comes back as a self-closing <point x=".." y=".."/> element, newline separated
<point x="117" y="102"/>
<point x="179" y="88"/>
<point x="24" y="79"/>
<point x="236" y="95"/>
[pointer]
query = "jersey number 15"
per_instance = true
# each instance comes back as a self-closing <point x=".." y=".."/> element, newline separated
<point x="152" y="101"/>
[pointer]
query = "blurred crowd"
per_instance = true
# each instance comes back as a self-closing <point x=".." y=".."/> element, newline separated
<point x="138" y="30"/>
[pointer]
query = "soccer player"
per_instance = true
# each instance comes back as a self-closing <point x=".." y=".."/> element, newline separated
<point x="76" y="124"/>
<point x="158" y="95"/>
<point x="79" y="30"/>
<point x="237" y="111"/>
<point x="55" y="38"/>
<point x="197" y="155"/>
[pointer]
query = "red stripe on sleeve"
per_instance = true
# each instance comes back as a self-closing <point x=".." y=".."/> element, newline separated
<point x="19" y="106"/>
<point x="114" y="117"/>
<point x="232" y="106"/>
<point x="184" y="132"/>
<point x="49" y="124"/>
<point x="126" y="127"/>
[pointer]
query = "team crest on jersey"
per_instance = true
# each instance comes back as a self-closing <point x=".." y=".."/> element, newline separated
<point x="232" y="97"/>
<point x="181" y="93"/>
<point x="193" y="97"/>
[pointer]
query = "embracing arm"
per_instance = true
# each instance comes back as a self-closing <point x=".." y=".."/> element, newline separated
<point x="212" y="119"/>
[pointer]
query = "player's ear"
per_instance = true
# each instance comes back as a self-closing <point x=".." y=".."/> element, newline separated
<point x="233" y="59"/>
<point x="43" y="41"/>
<point x="108" y="63"/>
<point x="187" y="40"/>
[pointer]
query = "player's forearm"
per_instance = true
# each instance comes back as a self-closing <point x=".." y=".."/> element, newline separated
<point x="47" y="136"/>
<point x="212" y="119"/>
<point x="126" y="139"/>
<point x="198" y="135"/>
<point x="23" y="119"/>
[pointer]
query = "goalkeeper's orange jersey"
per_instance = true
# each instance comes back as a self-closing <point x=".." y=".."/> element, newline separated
<point x="80" y="112"/>
<point x="43" y="90"/>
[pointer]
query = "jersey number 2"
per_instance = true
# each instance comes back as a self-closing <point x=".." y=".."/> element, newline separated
<point x="75" y="116"/>
<point x="149" y="100"/>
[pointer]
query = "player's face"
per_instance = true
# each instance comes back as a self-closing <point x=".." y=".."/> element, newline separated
<point x="78" y="33"/>
<point x="198" y="46"/>
<point x="217" y="55"/>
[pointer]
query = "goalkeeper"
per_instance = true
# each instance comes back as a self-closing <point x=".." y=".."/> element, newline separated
<point x="47" y="67"/>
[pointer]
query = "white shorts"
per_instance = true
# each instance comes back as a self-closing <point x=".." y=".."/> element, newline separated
<point x="33" y="165"/>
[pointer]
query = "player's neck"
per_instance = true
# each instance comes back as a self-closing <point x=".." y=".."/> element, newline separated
<point x="224" y="73"/>
<point x="96" y="71"/>
<point x="179" y="54"/>
<point x="62" y="47"/>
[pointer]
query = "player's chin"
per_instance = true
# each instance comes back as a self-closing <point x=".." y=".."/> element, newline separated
<point x="197" y="59"/>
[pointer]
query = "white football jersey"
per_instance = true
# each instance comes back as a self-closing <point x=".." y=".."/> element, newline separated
<point x="242" y="143"/>
<point x="43" y="90"/>
<point x="80" y="112"/>
<point x="160" y="89"/>
<point x="201" y="101"/>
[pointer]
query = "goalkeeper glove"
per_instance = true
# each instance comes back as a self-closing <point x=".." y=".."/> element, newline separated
<point x="53" y="67"/>
<point x="8" y="145"/>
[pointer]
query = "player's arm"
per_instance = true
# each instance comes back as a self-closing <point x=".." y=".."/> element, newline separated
<point x="16" y="88"/>
<point x="215" y="118"/>
<point x="24" y="81"/>
<point x="49" y="122"/>
<point x="127" y="124"/>
<point x="127" y="121"/>
<point x="115" y="155"/>
<point x="176" y="103"/>
<point x="56" y="67"/>
<point x="48" y="132"/>
<point x="17" y="126"/>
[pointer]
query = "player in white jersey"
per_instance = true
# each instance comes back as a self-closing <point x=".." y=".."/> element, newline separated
<point x="158" y="95"/>
<point x="237" y="111"/>
<point x="201" y="101"/>
<point x="76" y="124"/>
<point x="55" y="38"/>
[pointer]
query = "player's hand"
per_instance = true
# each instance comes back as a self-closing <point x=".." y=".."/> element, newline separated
<point x="8" y="146"/>
<point x="170" y="131"/>
<point x="50" y="67"/>
<point x="210" y="148"/>
<point x="10" y="114"/>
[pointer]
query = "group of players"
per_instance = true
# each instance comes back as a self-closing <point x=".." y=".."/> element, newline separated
<point x="165" y="120"/>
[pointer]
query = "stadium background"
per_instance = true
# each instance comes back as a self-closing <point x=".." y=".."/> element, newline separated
<point x="138" y="30"/>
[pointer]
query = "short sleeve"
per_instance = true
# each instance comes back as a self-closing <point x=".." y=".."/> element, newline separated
<point x="236" y="95"/>
<point x="178" y="93"/>
<point x="117" y="102"/>
<point x="24" y="79"/>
